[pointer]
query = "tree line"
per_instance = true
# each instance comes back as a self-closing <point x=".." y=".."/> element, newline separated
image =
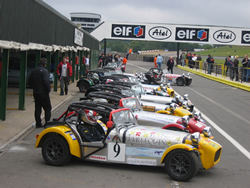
<point x="124" y="45"/>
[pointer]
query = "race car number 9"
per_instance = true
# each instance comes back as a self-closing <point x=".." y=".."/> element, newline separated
<point x="116" y="151"/>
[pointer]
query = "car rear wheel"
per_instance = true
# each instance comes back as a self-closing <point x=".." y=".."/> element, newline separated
<point x="181" y="165"/>
<point x="180" y="81"/>
<point x="55" y="151"/>
<point x="83" y="86"/>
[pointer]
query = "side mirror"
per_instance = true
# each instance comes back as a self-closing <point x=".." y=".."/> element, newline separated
<point x="110" y="124"/>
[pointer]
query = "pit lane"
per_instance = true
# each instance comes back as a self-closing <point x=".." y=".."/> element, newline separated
<point x="24" y="163"/>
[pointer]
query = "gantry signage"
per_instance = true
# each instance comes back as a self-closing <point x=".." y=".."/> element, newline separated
<point x="173" y="33"/>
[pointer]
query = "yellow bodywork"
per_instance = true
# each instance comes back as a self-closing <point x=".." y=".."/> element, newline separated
<point x="170" y="91"/>
<point x="177" y="112"/>
<point x="66" y="133"/>
<point x="209" y="151"/>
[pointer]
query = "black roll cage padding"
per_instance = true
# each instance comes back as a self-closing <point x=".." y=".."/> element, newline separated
<point x="107" y="95"/>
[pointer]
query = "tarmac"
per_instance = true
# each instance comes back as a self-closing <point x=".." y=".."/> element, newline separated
<point x="18" y="123"/>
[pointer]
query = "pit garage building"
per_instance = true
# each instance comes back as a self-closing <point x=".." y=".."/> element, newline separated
<point x="30" y="30"/>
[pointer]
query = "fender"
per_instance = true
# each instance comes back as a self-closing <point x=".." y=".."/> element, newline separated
<point x="163" y="112"/>
<point x="179" y="126"/>
<point x="177" y="146"/>
<point x="66" y="133"/>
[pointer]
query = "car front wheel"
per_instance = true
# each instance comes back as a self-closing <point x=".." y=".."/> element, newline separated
<point x="180" y="81"/>
<point x="83" y="86"/>
<point x="181" y="165"/>
<point x="55" y="151"/>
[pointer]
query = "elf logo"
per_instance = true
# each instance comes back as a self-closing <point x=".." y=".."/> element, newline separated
<point x="192" y="34"/>
<point x="128" y="31"/>
<point x="245" y="37"/>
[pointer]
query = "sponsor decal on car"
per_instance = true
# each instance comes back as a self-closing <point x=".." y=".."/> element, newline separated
<point x="245" y="37"/>
<point x="160" y="33"/>
<point x="98" y="157"/>
<point x="136" y="161"/>
<point x="144" y="152"/>
<point x="192" y="34"/>
<point x="73" y="136"/>
<point x="128" y="31"/>
<point x="148" y="108"/>
<point x="224" y="36"/>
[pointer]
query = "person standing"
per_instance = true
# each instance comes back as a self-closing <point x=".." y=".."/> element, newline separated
<point x="209" y="64"/>
<point x="230" y="66"/>
<point x="159" y="60"/>
<point x="155" y="61"/>
<point x="39" y="81"/>
<point x="235" y="71"/>
<point x="244" y="65"/>
<point x="86" y="64"/>
<point x="170" y="64"/>
<point x="64" y="71"/>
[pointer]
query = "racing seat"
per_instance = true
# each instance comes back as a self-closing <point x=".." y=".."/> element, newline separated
<point x="89" y="129"/>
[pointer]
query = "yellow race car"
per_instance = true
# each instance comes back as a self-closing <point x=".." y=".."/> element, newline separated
<point x="173" y="109"/>
<point x="167" y="89"/>
<point x="123" y="141"/>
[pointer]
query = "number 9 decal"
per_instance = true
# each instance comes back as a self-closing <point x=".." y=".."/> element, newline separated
<point x="117" y="149"/>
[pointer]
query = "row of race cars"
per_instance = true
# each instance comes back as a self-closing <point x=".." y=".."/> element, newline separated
<point x="123" y="120"/>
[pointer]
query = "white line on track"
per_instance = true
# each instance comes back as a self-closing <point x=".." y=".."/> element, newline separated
<point x="220" y="130"/>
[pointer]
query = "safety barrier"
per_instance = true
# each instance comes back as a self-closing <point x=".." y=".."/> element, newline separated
<point x="220" y="73"/>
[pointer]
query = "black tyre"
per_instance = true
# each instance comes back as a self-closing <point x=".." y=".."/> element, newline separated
<point x="55" y="151"/>
<point x="180" y="81"/>
<point x="148" y="81"/>
<point x="83" y="86"/>
<point x="181" y="165"/>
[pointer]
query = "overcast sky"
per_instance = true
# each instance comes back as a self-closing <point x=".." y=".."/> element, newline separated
<point x="235" y="13"/>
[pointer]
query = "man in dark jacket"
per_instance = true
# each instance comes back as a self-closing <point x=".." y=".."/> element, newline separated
<point x="170" y="64"/>
<point x="244" y="65"/>
<point x="235" y="70"/>
<point x="40" y="82"/>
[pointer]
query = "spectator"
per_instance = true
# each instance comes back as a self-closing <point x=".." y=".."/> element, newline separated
<point x="170" y="64"/>
<point x="39" y="81"/>
<point x="87" y="64"/>
<point x="225" y="65"/>
<point x="182" y="59"/>
<point x="230" y="66"/>
<point x="235" y="70"/>
<point x="64" y="71"/>
<point x="244" y="65"/>
<point x="116" y="57"/>
<point x="155" y="61"/>
<point x="248" y="71"/>
<point x="209" y="64"/>
<point x="159" y="60"/>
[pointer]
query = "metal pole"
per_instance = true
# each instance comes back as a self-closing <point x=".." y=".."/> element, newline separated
<point x="81" y="63"/>
<point x="55" y="73"/>
<point x="4" y="84"/>
<point x="77" y="66"/>
<point x="105" y="47"/>
<point x="48" y="57"/>
<point x="178" y="55"/>
<point x="73" y="66"/>
<point x="23" y="75"/>
<point x="38" y="56"/>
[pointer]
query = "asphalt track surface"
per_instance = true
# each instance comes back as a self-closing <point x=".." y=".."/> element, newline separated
<point x="221" y="105"/>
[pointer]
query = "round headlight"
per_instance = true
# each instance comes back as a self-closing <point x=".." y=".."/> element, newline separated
<point x="195" y="138"/>
<point x="185" y="120"/>
<point x="168" y="85"/>
<point x="207" y="131"/>
<point x="197" y="115"/>
<point x="185" y="97"/>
